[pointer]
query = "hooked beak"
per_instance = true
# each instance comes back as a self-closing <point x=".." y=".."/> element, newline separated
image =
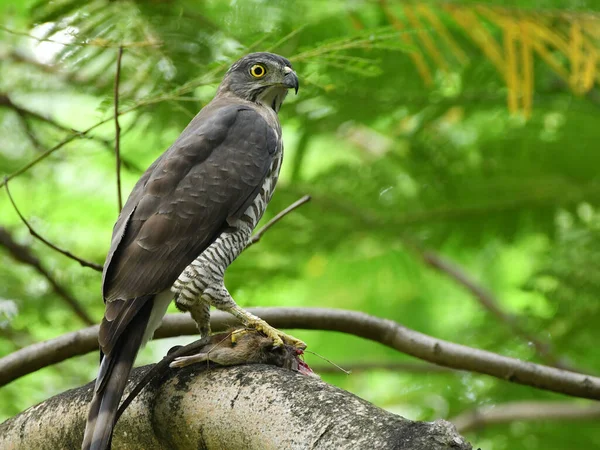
<point x="290" y="80"/>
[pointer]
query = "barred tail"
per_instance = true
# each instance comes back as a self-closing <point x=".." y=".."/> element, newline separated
<point x="110" y="384"/>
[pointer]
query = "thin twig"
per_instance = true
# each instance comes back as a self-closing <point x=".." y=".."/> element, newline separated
<point x="23" y="254"/>
<point x="35" y="234"/>
<point x="25" y="113"/>
<point x="29" y="131"/>
<point x="47" y="153"/>
<point x="277" y="218"/>
<point x="488" y="301"/>
<point x="384" y="331"/>
<point x="525" y="410"/>
<point x="76" y="134"/>
<point x="118" y="129"/>
<point x="5" y="100"/>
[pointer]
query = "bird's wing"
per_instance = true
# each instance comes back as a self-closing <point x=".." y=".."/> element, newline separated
<point x="181" y="205"/>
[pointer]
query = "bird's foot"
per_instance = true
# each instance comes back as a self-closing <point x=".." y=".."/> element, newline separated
<point x="278" y="337"/>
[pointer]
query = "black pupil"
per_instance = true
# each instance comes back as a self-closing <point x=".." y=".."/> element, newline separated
<point x="258" y="71"/>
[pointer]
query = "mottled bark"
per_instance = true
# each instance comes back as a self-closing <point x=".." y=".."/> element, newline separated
<point x="243" y="407"/>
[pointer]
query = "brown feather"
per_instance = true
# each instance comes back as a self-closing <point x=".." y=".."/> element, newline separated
<point x="209" y="174"/>
<point x="182" y="204"/>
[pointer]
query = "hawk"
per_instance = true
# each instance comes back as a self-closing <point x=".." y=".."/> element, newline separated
<point x="195" y="206"/>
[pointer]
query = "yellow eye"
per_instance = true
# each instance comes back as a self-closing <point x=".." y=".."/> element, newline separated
<point x="258" y="71"/>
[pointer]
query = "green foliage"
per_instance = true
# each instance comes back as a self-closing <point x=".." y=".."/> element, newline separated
<point x="514" y="201"/>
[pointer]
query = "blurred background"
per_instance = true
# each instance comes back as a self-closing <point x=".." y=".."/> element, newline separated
<point x="427" y="133"/>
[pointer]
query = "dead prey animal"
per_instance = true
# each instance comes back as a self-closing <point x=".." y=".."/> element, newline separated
<point x="231" y="348"/>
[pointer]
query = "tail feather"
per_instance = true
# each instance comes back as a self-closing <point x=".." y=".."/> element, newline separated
<point x="112" y="379"/>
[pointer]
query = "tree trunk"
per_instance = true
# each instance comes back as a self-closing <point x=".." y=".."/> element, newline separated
<point x="241" y="407"/>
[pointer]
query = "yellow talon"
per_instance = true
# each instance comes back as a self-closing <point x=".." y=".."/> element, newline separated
<point x="237" y="334"/>
<point x="256" y="323"/>
<point x="278" y="337"/>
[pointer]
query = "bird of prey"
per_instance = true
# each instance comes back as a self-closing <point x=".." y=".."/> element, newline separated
<point x="198" y="202"/>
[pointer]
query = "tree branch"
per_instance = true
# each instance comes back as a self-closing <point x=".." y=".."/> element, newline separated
<point x="277" y="218"/>
<point x="527" y="410"/>
<point x="384" y="331"/>
<point x="29" y="131"/>
<point x="35" y="234"/>
<point x="250" y="406"/>
<point x="5" y="100"/>
<point x="23" y="254"/>
<point x="488" y="300"/>
<point x="118" y="129"/>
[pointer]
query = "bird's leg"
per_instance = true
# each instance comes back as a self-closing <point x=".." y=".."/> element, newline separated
<point x="200" y="312"/>
<point x="201" y="285"/>
<point x="220" y="298"/>
<point x="187" y="290"/>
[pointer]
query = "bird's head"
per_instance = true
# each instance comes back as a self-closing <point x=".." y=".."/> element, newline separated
<point x="261" y="78"/>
